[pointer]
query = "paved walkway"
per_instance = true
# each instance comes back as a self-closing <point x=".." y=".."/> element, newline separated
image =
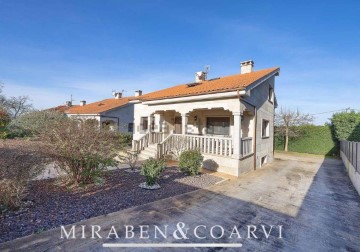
<point x="312" y="198"/>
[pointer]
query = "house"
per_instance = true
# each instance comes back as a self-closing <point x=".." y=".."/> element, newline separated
<point x="116" y="113"/>
<point x="229" y="119"/>
<point x="63" y="108"/>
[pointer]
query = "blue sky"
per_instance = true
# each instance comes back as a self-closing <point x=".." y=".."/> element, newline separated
<point x="51" y="49"/>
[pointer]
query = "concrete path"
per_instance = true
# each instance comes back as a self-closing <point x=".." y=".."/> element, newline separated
<point x="311" y="198"/>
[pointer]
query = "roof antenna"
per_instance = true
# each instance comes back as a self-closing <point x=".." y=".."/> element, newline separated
<point x="207" y="69"/>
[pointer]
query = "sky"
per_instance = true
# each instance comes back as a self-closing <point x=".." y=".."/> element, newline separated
<point x="50" y="50"/>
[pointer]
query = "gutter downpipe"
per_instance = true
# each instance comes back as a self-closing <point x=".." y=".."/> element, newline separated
<point x="255" y="124"/>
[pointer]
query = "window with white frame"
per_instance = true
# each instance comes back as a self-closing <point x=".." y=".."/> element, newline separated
<point x="265" y="128"/>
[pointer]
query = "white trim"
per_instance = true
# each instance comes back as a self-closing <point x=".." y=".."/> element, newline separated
<point x="196" y="97"/>
<point x="83" y="114"/>
<point x="258" y="82"/>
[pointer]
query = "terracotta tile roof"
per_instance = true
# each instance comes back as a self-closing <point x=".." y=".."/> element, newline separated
<point x="217" y="85"/>
<point x="100" y="106"/>
<point x="62" y="108"/>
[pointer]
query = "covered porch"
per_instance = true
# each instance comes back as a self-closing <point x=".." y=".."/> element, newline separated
<point x="223" y="135"/>
<point x="211" y="131"/>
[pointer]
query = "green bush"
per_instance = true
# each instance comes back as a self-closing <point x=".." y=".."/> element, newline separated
<point x="125" y="139"/>
<point x="190" y="162"/>
<point x="152" y="169"/>
<point x="313" y="140"/>
<point x="346" y="126"/>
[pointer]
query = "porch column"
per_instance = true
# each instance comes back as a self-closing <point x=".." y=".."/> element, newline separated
<point x="149" y="123"/>
<point x="184" y="121"/>
<point x="237" y="135"/>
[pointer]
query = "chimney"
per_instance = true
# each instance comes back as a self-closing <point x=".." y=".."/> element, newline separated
<point x="200" y="76"/>
<point x="138" y="93"/>
<point x="118" y="95"/>
<point x="246" y="66"/>
<point x="82" y="103"/>
<point x="68" y="103"/>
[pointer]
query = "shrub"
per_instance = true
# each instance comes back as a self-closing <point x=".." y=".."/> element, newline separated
<point x="152" y="169"/>
<point x="33" y="123"/>
<point x="346" y="126"/>
<point x="82" y="150"/>
<point x="11" y="193"/>
<point x="20" y="161"/>
<point x="190" y="162"/>
<point x="130" y="158"/>
<point x="125" y="139"/>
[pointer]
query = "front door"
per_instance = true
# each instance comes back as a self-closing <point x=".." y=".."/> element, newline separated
<point x="178" y="125"/>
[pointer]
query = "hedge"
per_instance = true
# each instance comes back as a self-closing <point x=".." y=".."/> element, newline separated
<point x="313" y="140"/>
<point x="346" y="126"/>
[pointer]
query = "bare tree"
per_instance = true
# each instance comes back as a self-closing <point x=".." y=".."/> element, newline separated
<point x="130" y="158"/>
<point x="178" y="146"/>
<point x="17" y="106"/>
<point x="286" y="121"/>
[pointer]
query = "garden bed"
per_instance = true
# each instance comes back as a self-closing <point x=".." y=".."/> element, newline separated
<point x="50" y="205"/>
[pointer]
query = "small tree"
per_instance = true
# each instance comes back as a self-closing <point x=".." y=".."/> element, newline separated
<point x="17" y="106"/>
<point x="82" y="150"/>
<point x="286" y="121"/>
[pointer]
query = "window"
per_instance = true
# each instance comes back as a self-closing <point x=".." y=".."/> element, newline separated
<point x="271" y="95"/>
<point x="218" y="125"/>
<point x="130" y="127"/>
<point x="265" y="130"/>
<point x="144" y="123"/>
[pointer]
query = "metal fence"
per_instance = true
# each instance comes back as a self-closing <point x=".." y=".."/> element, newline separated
<point x="351" y="150"/>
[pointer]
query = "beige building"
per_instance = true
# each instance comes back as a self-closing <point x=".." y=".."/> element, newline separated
<point x="229" y="119"/>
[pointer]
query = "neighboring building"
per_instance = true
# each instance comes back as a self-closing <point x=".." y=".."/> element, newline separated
<point x="229" y="119"/>
<point x="116" y="113"/>
<point x="63" y="108"/>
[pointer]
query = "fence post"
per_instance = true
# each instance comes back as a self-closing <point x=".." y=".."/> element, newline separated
<point x="353" y="154"/>
<point x="349" y="151"/>
<point x="357" y="157"/>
